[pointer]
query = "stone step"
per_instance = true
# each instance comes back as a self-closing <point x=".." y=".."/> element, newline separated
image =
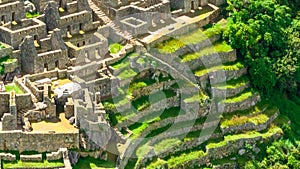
<point x="99" y="12"/>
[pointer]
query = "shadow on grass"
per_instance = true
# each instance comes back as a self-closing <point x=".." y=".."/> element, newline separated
<point x="92" y="163"/>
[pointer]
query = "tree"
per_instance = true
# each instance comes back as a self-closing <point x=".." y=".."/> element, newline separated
<point x="267" y="40"/>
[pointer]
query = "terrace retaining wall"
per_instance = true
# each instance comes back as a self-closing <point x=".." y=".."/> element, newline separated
<point x="41" y="142"/>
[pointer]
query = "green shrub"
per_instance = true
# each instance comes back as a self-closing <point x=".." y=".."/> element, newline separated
<point x="115" y="48"/>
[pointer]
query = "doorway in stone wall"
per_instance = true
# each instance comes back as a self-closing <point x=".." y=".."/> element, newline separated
<point x="45" y="66"/>
<point x="192" y="5"/>
<point x="199" y="3"/>
<point x="13" y="16"/>
<point x="3" y="19"/>
<point x="56" y="64"/>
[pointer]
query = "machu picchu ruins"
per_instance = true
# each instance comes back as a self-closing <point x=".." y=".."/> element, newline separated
<point x="128" y="84"/>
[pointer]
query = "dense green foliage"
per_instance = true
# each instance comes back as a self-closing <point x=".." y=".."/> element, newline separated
<point x="266" y="34"/>
<point x="282" y="154"/>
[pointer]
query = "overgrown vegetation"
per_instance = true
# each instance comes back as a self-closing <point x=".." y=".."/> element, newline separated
<point x="32" y="15"/>
<point x="115" y="48"/>
<point x="13" y="87"/>
<point x="266" y="34"/>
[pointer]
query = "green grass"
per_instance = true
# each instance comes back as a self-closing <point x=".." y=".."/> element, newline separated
<point x="137" y="129"/>
<point x="259" y="107"/>
<point x="21" y="164"/>
<point x="2" y="46"/>
<point x="184" y="157"/>
<point x="3" y="60"/>
<point x="13" y="87"/>
<point x="217" y="47"/>
<point x="234" y="83"/>
<point x="120" y="65"/>
<point x="136" y="85"/>
<point x="170" y="46"/>
<point x="225" y="67"/>
<point x="127" y="73"/>
<point x="241" y="97"/>
<point x="141" y="61"/>
<point x="115" y="48"/>
<point x="92" y="163"/>
<point x="165" y="144"/>
<point x="250" y="134"/>
<point x="156" y="164"/>
<point x="238" y="120"/>
<point x="200" y="34"/>
<point x="32" y="15"/>
<point x="201" y="97"/>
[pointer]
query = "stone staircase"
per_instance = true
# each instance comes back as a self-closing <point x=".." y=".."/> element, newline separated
<point x="125" y="34"/>
<point x="101" y="15"/>
<point x="118" y="132"/>
<point x="107" y="21"/>
<point x="20" y="115"/>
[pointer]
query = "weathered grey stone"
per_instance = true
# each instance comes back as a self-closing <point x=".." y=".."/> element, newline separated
<point x="51" y="15"/>
<point x="242" y="152"/>
<point x="74" y="157"/>
<point x="35" y="157"/>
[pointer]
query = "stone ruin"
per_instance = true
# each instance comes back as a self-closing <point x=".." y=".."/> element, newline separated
<point x="69" y="42"/>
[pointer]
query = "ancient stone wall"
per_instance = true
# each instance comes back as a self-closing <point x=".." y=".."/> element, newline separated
<point x="35" y="157"/>
<point x="217" y="2"/>
<point x="11" y="8"/>
<point x="243" y="105"/>
<point x="250" y="126"/>
<point x="34" y="90"/>
<point x="7" y="156"/>
<point x="218" y="76"/>
<point x="14" y="37"/>
<point x="212" y="59"/>
<point x="4" y="103"/>
<point x="229" y="92"/>
<point x="41" y="142"/>
<point x="7" y="51"/>
<point x="147" y="90"/>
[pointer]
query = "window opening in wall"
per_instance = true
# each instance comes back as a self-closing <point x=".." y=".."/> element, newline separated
<point x="81" y="29"/>
<point x="69" y="33"/>
<point x="45" y="66"/>
<point x="193" y="5"/>
<point x="2" y="19"/>
<point x="56" y="64"/>
<point x="36" y="43"/>
<point x="13" y="18"/>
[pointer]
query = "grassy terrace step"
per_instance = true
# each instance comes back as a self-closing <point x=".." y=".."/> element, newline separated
<point x="240" y="97"/>
<point x="139" y="104"/>
<point x="234" y="83"/>
<point x="174" y="161"/>
<point x="138" y="128"/>
<point x="197" y="36"/>
<point x="257" y="119"/>
<point x="123" y="63"/>
<point x="89" y="162"/>
<point x="250" y="134"/>
<point x="252" y="111"/>
<point x="201" y="97"/>
<point x="126" y="74"/>
<point x="225" y="67"/>
<point x="220" y="46"/>
<point x="22" y="164"/>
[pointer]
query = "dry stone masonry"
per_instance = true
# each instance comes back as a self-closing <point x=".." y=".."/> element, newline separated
<point x="66" y="65"/>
